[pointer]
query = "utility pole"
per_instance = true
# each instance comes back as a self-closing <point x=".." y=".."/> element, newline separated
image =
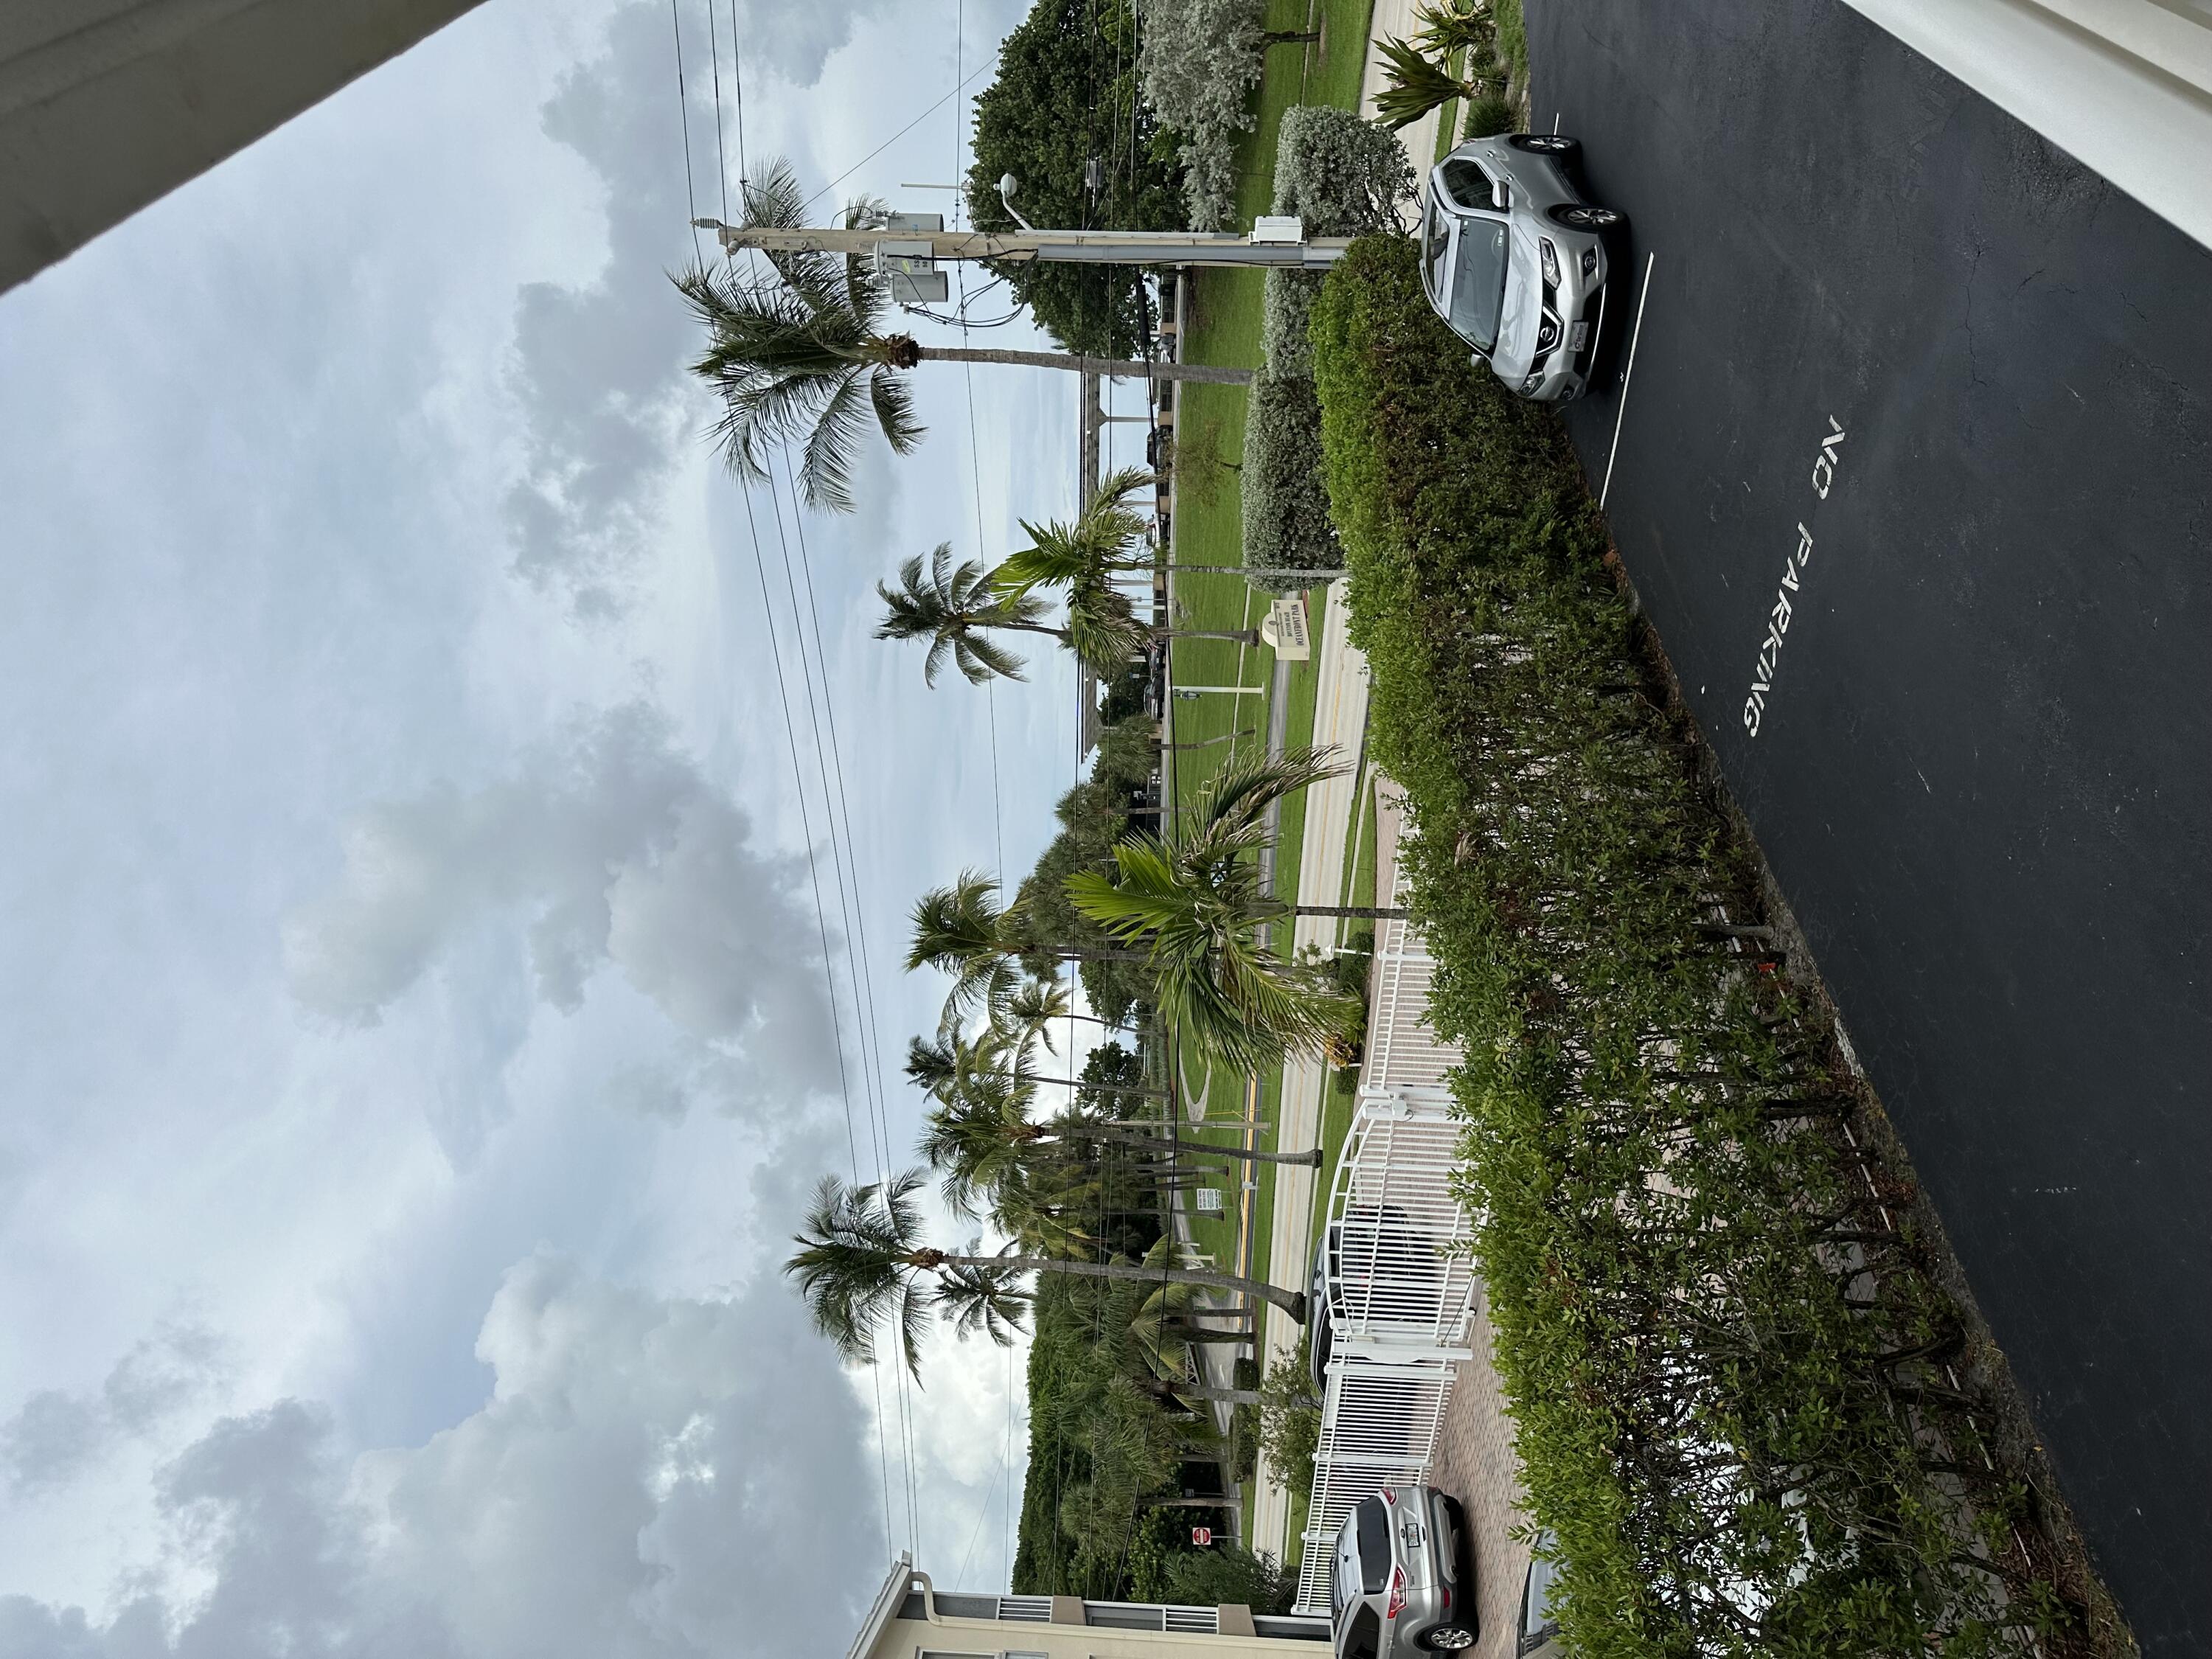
<point x="1274" y="242"/>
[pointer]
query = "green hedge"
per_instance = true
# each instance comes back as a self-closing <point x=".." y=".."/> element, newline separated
<point x="1286" y="517"/>
<point x="1711" y="1332"/>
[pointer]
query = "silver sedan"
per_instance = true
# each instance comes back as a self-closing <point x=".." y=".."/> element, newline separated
<point x="1514" y="260"/>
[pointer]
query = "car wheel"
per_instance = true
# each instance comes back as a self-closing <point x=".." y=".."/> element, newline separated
<point x="1557" y="145"/>
<point x="1589" y="216"/>
<point x="1448" y="1638"/>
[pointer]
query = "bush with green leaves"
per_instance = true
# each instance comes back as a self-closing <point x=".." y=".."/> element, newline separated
<point x="1342" y="175"/>
<point x="1725" y="1359"/>
<point x="1231" y="1573"/>
<point x="1286" y="523"/>
<point x="1290" y="1421"/>
<point x="1199" y="65"/>
<point x="1488" y="116"/>
<point x="1286" y="311"/>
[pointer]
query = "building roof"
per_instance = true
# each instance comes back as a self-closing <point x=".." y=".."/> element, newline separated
<point x="886" y="1608"/>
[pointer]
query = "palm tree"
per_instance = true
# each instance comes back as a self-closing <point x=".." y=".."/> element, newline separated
<point x="1418" y="74"/>
<point x="806" y="359"/>
<point x="1107" y="537"/>
<point x="956" y="610"/>
<point x="1198" y="907"/>
<point x="862" y="1263"/>
<point x="961" y="930"/>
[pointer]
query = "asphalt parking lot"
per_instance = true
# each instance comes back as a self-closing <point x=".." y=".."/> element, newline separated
<point x="1914" y="473"/>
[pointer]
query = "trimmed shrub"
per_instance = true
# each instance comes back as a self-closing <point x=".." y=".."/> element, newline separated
<point x="1488" y="116"/>
<point x="1725" y="1359"/>
<point x="1342" y="175"/>
<point x="1286" y="310"/>
<point x="1286" y="524"/>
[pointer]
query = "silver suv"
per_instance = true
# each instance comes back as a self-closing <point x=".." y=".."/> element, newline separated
<point x="1403" y="1580"/>
<point x="1514" y="260"/>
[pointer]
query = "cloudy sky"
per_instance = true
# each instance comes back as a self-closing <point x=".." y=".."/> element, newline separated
<point x="419" y="1040"/>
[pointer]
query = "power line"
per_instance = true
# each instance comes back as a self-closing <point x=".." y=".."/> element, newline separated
<point x="683" y="114"/>
<point x="738" y="83"/>
<point x="714" y="59"/>
<point x="880" y="1136"/>
<point x="852" y="1141"/>
<point x="900" y="134"/>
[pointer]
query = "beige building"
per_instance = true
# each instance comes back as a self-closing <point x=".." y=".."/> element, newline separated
<point x="107" y="104"/>
<point x="912" y="1619"/>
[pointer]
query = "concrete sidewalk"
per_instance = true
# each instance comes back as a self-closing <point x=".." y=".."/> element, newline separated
<point x="1340" y="718"/>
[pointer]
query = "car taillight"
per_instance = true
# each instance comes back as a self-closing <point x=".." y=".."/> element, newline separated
<point x="1397" y="1593"/>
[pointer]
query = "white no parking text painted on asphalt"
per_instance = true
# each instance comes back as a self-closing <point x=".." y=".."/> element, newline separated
<point x="1786" y="597"/>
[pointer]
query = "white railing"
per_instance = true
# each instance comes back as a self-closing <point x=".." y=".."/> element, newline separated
<point x="1401" y="1283"/>
<point x="1378" y="1428"/>
<point x="1402" y="1051"/>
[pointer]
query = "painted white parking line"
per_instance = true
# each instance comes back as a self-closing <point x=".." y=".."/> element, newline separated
<point x="1622" y="413"/>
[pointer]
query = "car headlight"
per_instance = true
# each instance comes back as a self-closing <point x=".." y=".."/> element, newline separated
<point x="1550" y="256"/>
<point x="1529" y="386"/>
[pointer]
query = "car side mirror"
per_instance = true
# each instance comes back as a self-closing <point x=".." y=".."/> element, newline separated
<point x="1500" y="198"/>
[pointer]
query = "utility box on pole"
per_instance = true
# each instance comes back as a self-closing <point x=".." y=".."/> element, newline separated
<point x="908" y="267"/>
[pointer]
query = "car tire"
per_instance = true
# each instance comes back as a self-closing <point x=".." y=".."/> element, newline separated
<point x="1447" y="1638"/>
<point x="1557" y="145"/>
<point x="1589" y="216"/>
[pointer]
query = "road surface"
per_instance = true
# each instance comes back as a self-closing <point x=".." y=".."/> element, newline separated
<point x="1912" y="474"/>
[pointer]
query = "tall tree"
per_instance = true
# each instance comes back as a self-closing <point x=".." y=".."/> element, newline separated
<point x="1064" y="98"/>
<point x="863" y="1264"/>
<point x="803" y="357"/>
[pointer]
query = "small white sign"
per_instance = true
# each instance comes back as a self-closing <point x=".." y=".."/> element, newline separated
<point x="1209" y="1200"/>
<point x="1285" y="629"/>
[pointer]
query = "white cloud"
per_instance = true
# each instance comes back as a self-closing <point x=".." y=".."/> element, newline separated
<point x="652" y="1479"/>
<point x="598" y="368"/>
<point x="56" y="1434"/>
<point x="612" y="847"/>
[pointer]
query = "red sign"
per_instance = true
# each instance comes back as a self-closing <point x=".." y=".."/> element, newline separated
<point x="1201" y="1536"/>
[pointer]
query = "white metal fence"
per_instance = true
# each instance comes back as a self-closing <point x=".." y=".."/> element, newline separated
<point x="1402" y="1287"/>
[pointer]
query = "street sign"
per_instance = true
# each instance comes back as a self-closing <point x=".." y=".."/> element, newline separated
<point x="1201" y="1536"/>
<point x="1285" y="629"/>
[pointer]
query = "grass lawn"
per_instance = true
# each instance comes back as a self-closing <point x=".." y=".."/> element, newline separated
<point x="1223" y="327"/>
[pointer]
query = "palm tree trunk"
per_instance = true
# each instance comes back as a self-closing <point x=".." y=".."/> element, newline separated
<point x="1207" y="1391"/>
<point x="1234" y="636"/>
<point x="1293" y="1303"/>
<point x="1208" y="743"/>
<point x="1288" y="37"/>
<point x="1359" y="912"/>
<point x="1127" y="368"/>
<point x="1309" y="1160"/>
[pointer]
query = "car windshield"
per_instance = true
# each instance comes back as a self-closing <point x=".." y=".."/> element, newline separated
<point x="1478" y="282"/>
<point x="1374" y="1521"/>
<point x="1435" y="240"/>
<point x="1536" y="1601"/>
